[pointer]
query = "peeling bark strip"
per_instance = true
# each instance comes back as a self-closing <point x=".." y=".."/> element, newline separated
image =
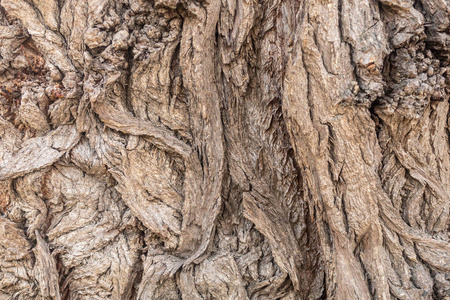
<point x="224" y="149"/>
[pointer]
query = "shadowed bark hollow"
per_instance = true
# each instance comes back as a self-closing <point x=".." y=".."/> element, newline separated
<point x="224" y="149"/>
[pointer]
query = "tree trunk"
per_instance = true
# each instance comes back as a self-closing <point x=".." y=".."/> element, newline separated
<point x="224" y="149"/>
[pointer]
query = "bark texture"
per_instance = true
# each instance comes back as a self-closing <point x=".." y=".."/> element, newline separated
<point x="224" y="149"/>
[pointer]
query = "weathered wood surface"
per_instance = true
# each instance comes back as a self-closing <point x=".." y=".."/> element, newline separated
<point x="224" y="149"/>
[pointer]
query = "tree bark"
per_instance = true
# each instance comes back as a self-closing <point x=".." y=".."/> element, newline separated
<point x="224" y="149"/>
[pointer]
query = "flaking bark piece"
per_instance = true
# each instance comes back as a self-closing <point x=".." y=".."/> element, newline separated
<point x="37" y="153"/>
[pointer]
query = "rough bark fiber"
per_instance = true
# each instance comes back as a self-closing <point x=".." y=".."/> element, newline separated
<point x="224" y="149"/>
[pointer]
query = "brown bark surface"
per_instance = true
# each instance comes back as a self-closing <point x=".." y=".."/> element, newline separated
<point x="224" y="149"/>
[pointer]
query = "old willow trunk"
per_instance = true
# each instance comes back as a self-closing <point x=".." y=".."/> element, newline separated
<point x="224" y="149"/>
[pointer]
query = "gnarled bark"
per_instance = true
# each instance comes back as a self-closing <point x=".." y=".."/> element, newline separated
<point x="224" y="149"/>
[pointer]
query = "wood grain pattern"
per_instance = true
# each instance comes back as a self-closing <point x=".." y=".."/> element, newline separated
<point x="224" y="149"/>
